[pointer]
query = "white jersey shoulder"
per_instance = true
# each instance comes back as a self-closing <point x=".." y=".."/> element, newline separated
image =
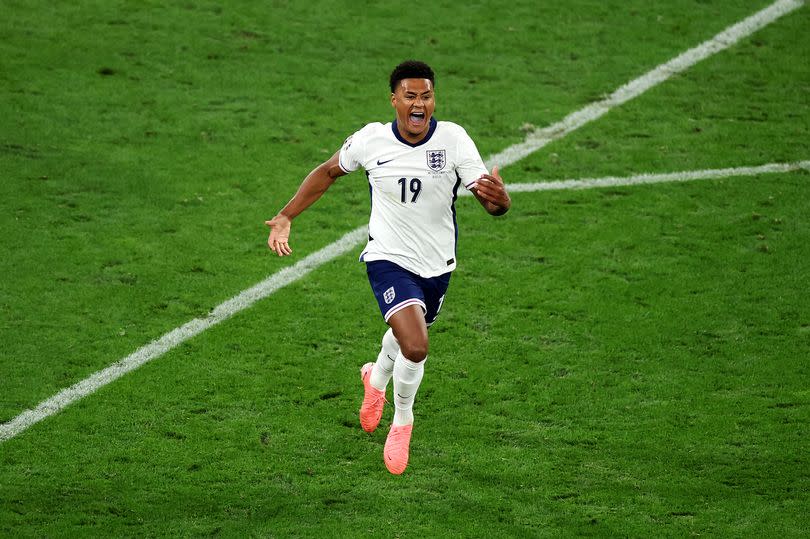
<point x="413" y="192"/>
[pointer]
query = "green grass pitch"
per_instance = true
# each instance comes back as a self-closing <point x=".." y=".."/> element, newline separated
<point x="630" y="361"/>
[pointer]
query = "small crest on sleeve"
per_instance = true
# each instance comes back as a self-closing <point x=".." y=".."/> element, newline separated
<point x="436" y="159"/>
<point x="347" y="144"/>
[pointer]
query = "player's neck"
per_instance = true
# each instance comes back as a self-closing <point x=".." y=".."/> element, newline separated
<point x="412" y="138"/>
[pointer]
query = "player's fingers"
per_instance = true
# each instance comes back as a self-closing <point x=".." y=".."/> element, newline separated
<point x="492" y="179"/>
<point x="486" y="195"/>
<point x="481" y="185"/>
<point x="483" y="192"/>
<point x="484" y="182"/>
<point x="495" y="194"/>
<point x="281" y="247"/>
<point x="497" y="190"/>
<point x="487" y="186"/>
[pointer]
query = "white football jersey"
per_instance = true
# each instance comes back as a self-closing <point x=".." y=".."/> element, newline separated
<point x="413" y="192"/>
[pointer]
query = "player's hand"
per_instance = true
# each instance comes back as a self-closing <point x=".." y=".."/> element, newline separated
<point x="279" y="240"/>
<point x="490" y="187"/>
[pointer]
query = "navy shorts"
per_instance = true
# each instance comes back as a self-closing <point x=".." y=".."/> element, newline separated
<point x="396" y="288"/>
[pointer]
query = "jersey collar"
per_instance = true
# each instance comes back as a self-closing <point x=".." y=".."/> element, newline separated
<point x="431" y="130"/>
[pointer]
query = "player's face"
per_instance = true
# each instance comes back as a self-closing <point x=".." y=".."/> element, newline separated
<point x="413" y="101"/>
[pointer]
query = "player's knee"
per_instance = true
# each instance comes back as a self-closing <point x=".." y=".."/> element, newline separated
<point x="389" y="342"/>
<point x="415" y="349"/>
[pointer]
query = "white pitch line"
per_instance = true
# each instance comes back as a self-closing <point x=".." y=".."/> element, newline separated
<point x="641" y="179"/>
<point x="534" y="141"/>
<point x="728" y="37"/>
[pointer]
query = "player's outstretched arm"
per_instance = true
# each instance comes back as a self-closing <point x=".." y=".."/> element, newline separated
<point x="491" y="193"/>
<point x="314" y="185"/>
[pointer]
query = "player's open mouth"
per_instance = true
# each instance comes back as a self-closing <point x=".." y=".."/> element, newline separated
<point x="417" y="118"/>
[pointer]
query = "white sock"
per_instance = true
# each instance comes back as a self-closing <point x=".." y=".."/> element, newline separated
<point x="384" y="367"/>
<point x="407" y="377"/>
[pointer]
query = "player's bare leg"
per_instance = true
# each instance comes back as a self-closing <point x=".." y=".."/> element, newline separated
<point x="411" y="332"/>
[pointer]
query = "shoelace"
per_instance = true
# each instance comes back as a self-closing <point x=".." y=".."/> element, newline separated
<point x="376" y="400"/>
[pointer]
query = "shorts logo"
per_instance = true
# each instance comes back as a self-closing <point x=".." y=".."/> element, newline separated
<point x="436" y="159"/>
<point x="389" y="295"/>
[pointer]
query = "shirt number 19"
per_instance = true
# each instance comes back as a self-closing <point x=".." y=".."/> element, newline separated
<point x="414" y="186"/>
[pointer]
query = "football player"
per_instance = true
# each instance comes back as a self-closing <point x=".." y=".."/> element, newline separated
<point x="415" y="166"/>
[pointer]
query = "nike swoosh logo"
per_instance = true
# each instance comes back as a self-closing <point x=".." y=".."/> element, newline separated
<point x="383" y="162"/>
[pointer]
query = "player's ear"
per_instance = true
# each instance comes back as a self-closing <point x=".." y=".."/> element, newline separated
<point x="393" y="100"/>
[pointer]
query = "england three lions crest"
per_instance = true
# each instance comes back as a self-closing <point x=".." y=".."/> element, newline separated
<point x="436" y="159"/>
<point x="389" y="295"/>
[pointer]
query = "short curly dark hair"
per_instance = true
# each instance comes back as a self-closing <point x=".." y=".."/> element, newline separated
<point x="411" y="69"/>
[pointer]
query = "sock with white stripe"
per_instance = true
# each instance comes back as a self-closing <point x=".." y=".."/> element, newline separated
<point x="407" y="377"/>
<point x="384" y="367"/>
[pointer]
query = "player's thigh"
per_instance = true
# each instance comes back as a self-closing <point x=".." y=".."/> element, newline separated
<point x="411" y="332"/>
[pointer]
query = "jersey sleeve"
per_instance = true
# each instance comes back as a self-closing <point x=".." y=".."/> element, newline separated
<point x="470" y="166"/>
<point x="351" y="154"/>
